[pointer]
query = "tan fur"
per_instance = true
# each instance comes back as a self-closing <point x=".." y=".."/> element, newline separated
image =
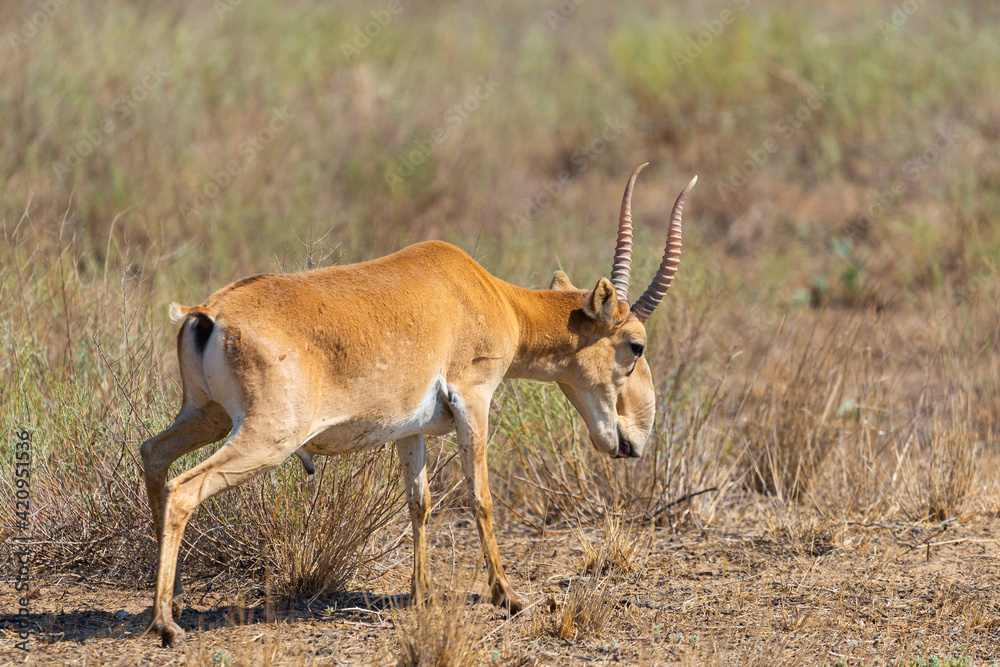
<point x="344" y="358"/>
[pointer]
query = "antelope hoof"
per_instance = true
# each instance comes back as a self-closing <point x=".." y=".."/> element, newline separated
<point x="510" y="601"/>
<point x="170" y="633"/>
<point x="421" y="598"/>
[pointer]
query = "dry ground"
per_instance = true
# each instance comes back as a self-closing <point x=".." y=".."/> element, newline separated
<point x="742" y="592"/>
<point x="828" y="358"/>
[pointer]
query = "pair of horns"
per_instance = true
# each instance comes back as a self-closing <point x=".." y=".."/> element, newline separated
<point x="622" y="267"/>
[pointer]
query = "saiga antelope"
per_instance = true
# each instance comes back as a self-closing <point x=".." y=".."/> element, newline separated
<point x="345" y="358"/>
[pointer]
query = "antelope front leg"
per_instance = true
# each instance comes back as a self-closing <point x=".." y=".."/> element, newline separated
<point x="413" y="456"/>
<point x="471" y="422"/>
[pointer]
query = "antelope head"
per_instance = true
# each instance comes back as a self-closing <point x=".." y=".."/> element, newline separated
<point x="608" y="379"/>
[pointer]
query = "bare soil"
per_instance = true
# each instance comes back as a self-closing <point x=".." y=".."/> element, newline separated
<point x="747" y="592"/>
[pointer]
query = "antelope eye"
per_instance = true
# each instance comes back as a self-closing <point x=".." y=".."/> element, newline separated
<point x="638" y="349"/>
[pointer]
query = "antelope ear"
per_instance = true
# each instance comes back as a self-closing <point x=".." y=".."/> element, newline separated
<point x="602" y="304"/>
<point x="560" y="281"/>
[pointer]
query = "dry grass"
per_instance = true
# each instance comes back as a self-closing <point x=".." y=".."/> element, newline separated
<point x="589" y="606"/>
<point x="793" y="407"/>
<point x="313" y="536"/>
<point x="941" y="489"/>
<point x="593" y="596"/>
<point x="620" y="552"/>
<point x="444" y="632"/>
<point x="821" y="486"/>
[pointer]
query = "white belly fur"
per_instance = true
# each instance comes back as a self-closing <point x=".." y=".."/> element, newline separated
<point x="432" y="417"/>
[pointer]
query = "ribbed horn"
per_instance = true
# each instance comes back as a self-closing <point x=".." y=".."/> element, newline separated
<point x="648" y="302"/>
<point x="621" y="268"/>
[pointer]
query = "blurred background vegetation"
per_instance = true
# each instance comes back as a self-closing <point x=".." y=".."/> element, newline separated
<point x="841" y="244"/>
<point x="120" y="121"/>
